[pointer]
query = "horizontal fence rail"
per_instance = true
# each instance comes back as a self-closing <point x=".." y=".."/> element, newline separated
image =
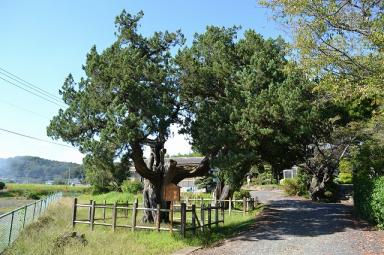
<point x="181" y="217"/>
<point x="12" y="223"/>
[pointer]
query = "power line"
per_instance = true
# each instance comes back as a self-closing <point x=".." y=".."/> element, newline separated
<point x="31" y="92"/>
<point x="28" y="84"/>
<point x="34" y="138"/>
<point x="24" y="109"/>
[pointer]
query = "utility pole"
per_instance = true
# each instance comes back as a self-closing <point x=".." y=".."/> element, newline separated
<point x="69" y="176"/>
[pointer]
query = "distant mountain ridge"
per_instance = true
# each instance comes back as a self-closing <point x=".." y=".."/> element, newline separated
<point x="36" y="169"/>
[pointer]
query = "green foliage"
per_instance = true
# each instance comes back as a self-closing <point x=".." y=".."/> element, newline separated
<point x="209" y="183"/>
<point x="368" y="180"/>
<point x="21" y="190"/>
<point x="303" y="180"/>
<point x="264" y="179"/>
<point x="128" y="94"/>
<point x="298" y="185"/>
<point x="132" y="186"/>
<point x="241" y="194"/>
<point x="40" y="237"/>
<point x="33" y="195"/>
<point x="344" y="178"/>
<point x="188" y="155"/>
<point x="291" y="186"/>
<point x="345" y="166"/>
<point x="2" y="185"/>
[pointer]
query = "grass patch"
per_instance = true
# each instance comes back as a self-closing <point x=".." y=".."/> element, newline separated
<point x="40" y="237"/>
<point x="37" y="191"/>
<point x="110" y="197"/>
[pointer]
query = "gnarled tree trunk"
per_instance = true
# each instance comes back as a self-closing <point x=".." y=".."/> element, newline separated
<point x="159" y="173"/>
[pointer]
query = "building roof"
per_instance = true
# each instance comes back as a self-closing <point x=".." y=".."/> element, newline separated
<point x="179" y="160"/>
<point x="186" y="160"/>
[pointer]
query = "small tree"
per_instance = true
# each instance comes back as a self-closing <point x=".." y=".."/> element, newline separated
<point x="2" y="185"/>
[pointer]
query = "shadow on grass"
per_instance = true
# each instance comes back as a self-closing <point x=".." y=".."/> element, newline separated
<point x="235" y="225"/>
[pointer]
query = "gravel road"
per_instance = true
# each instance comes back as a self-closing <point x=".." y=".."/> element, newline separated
<point x="296" y="226"/>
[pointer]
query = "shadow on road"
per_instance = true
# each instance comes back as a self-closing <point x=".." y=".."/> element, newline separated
<point x="284" y="218"/>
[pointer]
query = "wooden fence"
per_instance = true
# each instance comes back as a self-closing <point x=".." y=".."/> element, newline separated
<point x="105" y="214"/>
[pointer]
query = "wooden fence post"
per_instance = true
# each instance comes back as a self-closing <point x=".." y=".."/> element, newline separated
<point x="194" y="219"/>
<point x="209" y="216"/>
<point x="244" y="205"/>
<point x="222" y="210"/>
<point x="92" y="219"/>
<point x="217" y="215"/>
<point x="171" y="217"/>
<point x="248" y="199"/>
<point x="126" y="210"/>
<point x="74" y="211"/>
<point x="114" y="214"/>
<point x="104" y="209"/>
<point x="230" y="206"/>
<point x="158" y="217"/>
<point x="252" y="205"/>
<point x="134" y="213"/>
<point x="202" y="209"/>
<point x="183" y="218"/>
<point x="201" y="202"/>
<point x="90" y="210"/>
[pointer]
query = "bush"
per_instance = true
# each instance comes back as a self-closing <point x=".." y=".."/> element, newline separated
<point x="131" y="186"/>
<point x="241" y="193"/>
<point x="368" y="182"/>
<point x="303" y="180"/>
<point x="32" y="195"/>
<point x="344" y="178"/>
<point x="264" y="178"/>
<point x="291" y="186"/>
<point x="2" y="185"/>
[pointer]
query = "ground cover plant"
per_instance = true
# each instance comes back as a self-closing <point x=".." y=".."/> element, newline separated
<point x="41" y="237"/>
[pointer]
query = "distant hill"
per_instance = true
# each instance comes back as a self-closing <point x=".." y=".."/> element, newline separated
<point x="35" y="169"/>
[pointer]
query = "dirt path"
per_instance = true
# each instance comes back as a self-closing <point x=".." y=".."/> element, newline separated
<point x="294" y="226"/>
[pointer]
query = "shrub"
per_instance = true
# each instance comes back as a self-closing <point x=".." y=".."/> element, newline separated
<point x="131" y="186"/>
<point x="2" y="185"/>
<point x="291" y="186"/>
<point x="32" y="195"/>
<point x="344" y="178"/>
<point x="264" y="178"/>
<point x="239" y="195"/>
<point x="303" y="180"/>
<point x="368" y="182"/>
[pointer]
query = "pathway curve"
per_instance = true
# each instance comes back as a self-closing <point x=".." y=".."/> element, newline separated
<point x="295" y="226"/>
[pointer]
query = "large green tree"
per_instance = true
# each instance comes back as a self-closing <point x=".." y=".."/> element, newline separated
<point x="243" y="94"/>
<point x="128" y="98"/>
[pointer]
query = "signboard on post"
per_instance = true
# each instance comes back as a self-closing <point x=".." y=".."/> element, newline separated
<point x="171" y="192"/>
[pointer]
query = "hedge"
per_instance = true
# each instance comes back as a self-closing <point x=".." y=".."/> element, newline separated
<point x="369" y="199"/>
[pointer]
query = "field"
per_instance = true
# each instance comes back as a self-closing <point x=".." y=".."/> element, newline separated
<point x="8" y="204"/>
<point x="43" y="189"/>
<point x="17" y="195"/>
<point x="42" y="237"/>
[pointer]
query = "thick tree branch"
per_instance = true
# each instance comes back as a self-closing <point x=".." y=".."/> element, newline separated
<point x="188" y="171"/>
<point x="140" y="165"/>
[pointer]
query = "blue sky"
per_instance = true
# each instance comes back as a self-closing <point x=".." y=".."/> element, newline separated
<point x="43" y="41"/>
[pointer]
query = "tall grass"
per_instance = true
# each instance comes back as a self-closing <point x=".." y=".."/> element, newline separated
<point x="40" y="237"/>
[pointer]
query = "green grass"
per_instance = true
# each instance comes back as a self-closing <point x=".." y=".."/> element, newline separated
<point x="110" y="197"/>
<point x="40" y="190"/>
<point x="40" y="237"/>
